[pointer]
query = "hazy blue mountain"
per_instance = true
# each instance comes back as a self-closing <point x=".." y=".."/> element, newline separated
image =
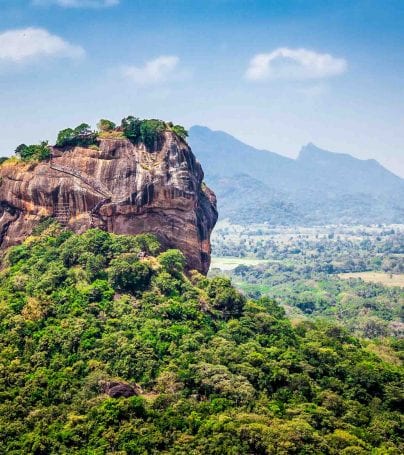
<point x="318" y="187"/>
<point x="275" y="206"/>
<point x="343" y="173"/>
<point x="223" y="155"/>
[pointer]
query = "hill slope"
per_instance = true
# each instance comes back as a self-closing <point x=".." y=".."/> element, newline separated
<point x="103" y="351"/>
<point x="318" y="187"/>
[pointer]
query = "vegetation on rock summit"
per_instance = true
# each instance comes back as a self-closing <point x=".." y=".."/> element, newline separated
<point x="146" y="131"/>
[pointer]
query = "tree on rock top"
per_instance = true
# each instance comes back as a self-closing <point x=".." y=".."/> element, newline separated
<point x="82" y="136"/>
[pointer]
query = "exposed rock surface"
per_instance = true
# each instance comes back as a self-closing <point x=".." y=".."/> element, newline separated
<point x="122" y="188"/>
<point x="118" y="389"/>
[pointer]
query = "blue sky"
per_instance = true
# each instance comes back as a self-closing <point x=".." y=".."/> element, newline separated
<point x="275" y="73"/>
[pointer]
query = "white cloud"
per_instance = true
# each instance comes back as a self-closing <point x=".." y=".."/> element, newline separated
<point x="21" y="44"/>
<point x="155" y="71"/>
<point x="77" y="3"/>
<point x="294" y="64"/>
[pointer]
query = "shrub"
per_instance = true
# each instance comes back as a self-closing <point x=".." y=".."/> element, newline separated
<point x="106" y="125"/>
<point x="172" y="261"/>
<point x="18" y="253"/>
<point x="33" y="152"/>
<point x="43" y="225"/>
<point x="180" y="131"/>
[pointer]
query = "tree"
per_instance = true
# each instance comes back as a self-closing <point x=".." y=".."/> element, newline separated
<point x="33" y="152"/>
<point x="83" y="129"/>
<point x="106" y="125"/>
<point x="218" y="379"/>
<point x="128" y="274"/>
<point x="131" y="128"/>
<point x="151" y="131"/>
<point x="79" y="136"/>
<point x="253" y="385"/>
<point x="167" y="284"/>
<point x="173" y="261"/>
<point x="225" y="298"/>
<point x="65" y="137"/>
<point x="141" y="243"/>
<point x="21" y="150"/>
<point x="180" y="131"/>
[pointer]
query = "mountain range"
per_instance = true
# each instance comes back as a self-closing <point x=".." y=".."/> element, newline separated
<point x="318" y="187"/>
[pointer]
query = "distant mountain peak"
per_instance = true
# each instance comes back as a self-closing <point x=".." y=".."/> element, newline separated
<point x="311" y="154"/>
<point x="322" y="186"/>
<point x="200" y="128"/>
<point x="311" y="151"/>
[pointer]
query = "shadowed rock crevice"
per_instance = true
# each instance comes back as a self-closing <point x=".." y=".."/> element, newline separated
<point x="122" y="187"/>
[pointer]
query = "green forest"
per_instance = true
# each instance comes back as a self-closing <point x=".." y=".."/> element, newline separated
<point x="108" y="345"/>
<point x="316" y="272"/>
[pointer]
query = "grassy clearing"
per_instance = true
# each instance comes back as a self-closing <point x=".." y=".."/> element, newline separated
<point x="246" y="287"/>
<point x="386" y="279"/>
<point x="111" y="135"/>
<point x="384" y="352"/>
<point x="230" y="263"/>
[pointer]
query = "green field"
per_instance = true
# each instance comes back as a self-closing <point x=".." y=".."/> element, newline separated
<point x="230" y="263"/>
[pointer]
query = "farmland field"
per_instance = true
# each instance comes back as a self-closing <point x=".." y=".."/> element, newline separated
<point x="353" y="275"/>
<point x="387" y="279"/>
<point x="230" y="263"/>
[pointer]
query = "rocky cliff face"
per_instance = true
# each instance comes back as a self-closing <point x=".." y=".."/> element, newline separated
<point x="122" y="188"/>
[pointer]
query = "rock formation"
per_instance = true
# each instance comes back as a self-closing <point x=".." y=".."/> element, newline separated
<point x="118" y="186"/>
<point x="118" y="389"/>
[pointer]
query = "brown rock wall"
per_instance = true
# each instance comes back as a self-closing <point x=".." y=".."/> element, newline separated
<point x="121" y="187"/>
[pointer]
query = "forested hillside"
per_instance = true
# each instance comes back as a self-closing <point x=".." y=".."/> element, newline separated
<point x="107" y="346"/>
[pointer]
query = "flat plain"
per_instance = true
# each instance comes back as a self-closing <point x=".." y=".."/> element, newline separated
<point x="387" y="279"/>
<point x="230" y="263"/>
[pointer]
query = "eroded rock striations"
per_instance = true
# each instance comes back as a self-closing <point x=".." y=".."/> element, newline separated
<point x="121" y="187"/>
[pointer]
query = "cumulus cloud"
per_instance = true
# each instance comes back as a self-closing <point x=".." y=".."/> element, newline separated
<point x="22" y="44"/>
<point x="158" y="70"/>
<point x="78" y="3"/>
<point x="294" y="64"/>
